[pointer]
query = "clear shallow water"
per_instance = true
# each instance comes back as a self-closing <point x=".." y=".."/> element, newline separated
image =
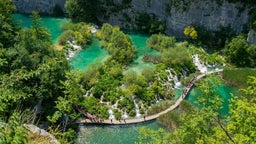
<point x="125" y="134"/>
<point x="90" y="54"/>
<point x="224" y="91"/>
<point x="93" y="53"/>
<point x="139" y="40"/>
<point x="54" y="24"/>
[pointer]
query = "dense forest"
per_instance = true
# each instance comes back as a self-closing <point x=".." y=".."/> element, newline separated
<point x="38" y="85"/>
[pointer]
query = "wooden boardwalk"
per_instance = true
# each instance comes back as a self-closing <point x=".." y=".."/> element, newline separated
<point x="151" y="117"/>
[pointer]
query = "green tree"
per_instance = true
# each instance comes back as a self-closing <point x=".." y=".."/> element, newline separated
<point x="8" y="28"/>
<point x="205" y="125"/>
<point x="83" y="10"/>
<point x="13" y="131"/>
<point x="237" y="52"/>
<point x="190" y="32"/>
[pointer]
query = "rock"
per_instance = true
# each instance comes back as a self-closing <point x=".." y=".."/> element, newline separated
<point x="251" y="38"/>
<point x="36" y="130"/>
<point x="42" y="6"/>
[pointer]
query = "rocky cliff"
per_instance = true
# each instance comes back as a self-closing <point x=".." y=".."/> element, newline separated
<point x="176" y="16"/>
<point x="42" y="6"/>
<point x="206" y="13"/>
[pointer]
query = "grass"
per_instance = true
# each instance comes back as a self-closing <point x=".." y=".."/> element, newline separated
<point x="38" y="139"/>
<point x="238" y="76"/>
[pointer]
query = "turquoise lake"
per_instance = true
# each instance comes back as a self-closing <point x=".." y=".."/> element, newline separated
<point x="98" y="134"/>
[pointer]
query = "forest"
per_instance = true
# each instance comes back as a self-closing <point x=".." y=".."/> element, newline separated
<point x="38" y="85"/>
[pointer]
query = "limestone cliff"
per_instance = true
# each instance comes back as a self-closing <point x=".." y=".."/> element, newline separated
<point x="206" y="13"/>
<point x="176" y="16"/>
<point x="42" y="6"/>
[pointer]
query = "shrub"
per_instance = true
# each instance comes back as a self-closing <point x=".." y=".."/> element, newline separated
<point x="66" y="36"/>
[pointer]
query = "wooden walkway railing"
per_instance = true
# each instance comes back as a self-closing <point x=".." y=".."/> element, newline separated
<point x="151" y="117"/>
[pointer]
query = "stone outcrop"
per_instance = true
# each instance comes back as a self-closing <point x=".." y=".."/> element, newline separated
<point x="41" y="132"/>
<point x="42" y="6"/>
<point x="206" y="13"/>
<point x="251" y="38"/>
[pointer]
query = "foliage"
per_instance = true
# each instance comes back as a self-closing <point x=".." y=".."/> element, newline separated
<point x="83" y="10"/>
<point x="149" y="23"/>
<point x="78" y="32"/>
<point x="13" y="131"/>
<point x="190" y="32"/>
<point x="118" y="44"/>
<point x="205" y="125"/>
<point x="8" y="29"/>
<point x="215" y="40"/>
<point x="57" y="11"/>
<point x="160" y="42"/>
<point x="178" y="58"/>
<point x="151" y="59"/>
<point x="32" y="70"/>
<point x="240" y="53"/>
<point x="238" y="76"/>
<point x="65" y="36"/>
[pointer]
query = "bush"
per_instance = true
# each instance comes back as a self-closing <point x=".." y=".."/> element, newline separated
<point x="132" y="113"/>
<point x="66" y="36"/>
<point x="149" y="23"/>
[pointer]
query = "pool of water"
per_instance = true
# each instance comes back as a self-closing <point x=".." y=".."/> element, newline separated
<point x="125" y="134"/>
<point x="93" y="53"/>
<point x="139" y="40"/>
<point x="53" y="24"/>
<point x="224" y="91"/>
<point x="90" y="54"/>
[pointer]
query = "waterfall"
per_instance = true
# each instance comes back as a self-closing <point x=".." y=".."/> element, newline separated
<point x="202" y="68"/>
<point x="137" y="109"/>
<point x="125" y="115"/>
<point x="177" y="83"/>
<point x="111" y="114"/>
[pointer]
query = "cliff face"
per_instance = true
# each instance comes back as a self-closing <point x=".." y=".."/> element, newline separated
<point x="42" y="6"/>
<point x="206" y="13"/>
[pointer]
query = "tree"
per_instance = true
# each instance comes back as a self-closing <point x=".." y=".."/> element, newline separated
<point x="13" y="131"/>
<point x="205" y="125"/>
<point x="237" y="52"/>
<point x="190" y="32"/>
<point x="8" y="28"/>
<point x="83" y="10"/>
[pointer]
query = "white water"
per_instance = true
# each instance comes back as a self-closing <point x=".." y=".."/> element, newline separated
<point x="111" y="114"/>
<point x="176" y="82"/>
<point x="202" y="68"/>
<point x="72" y="52"/>
<point x="125" y="115"/>
<point x="175" y="79"/>
<point x="137" y="109"/>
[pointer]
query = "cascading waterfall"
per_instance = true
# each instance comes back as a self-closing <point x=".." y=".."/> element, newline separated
<point x="111" y="114"/>
<point x="177" y="83"/>
<point x="71" y="53"/>
<point x="137" y="109"/>
<point x="125" y="115"/>
<point x="202" y="68"/>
